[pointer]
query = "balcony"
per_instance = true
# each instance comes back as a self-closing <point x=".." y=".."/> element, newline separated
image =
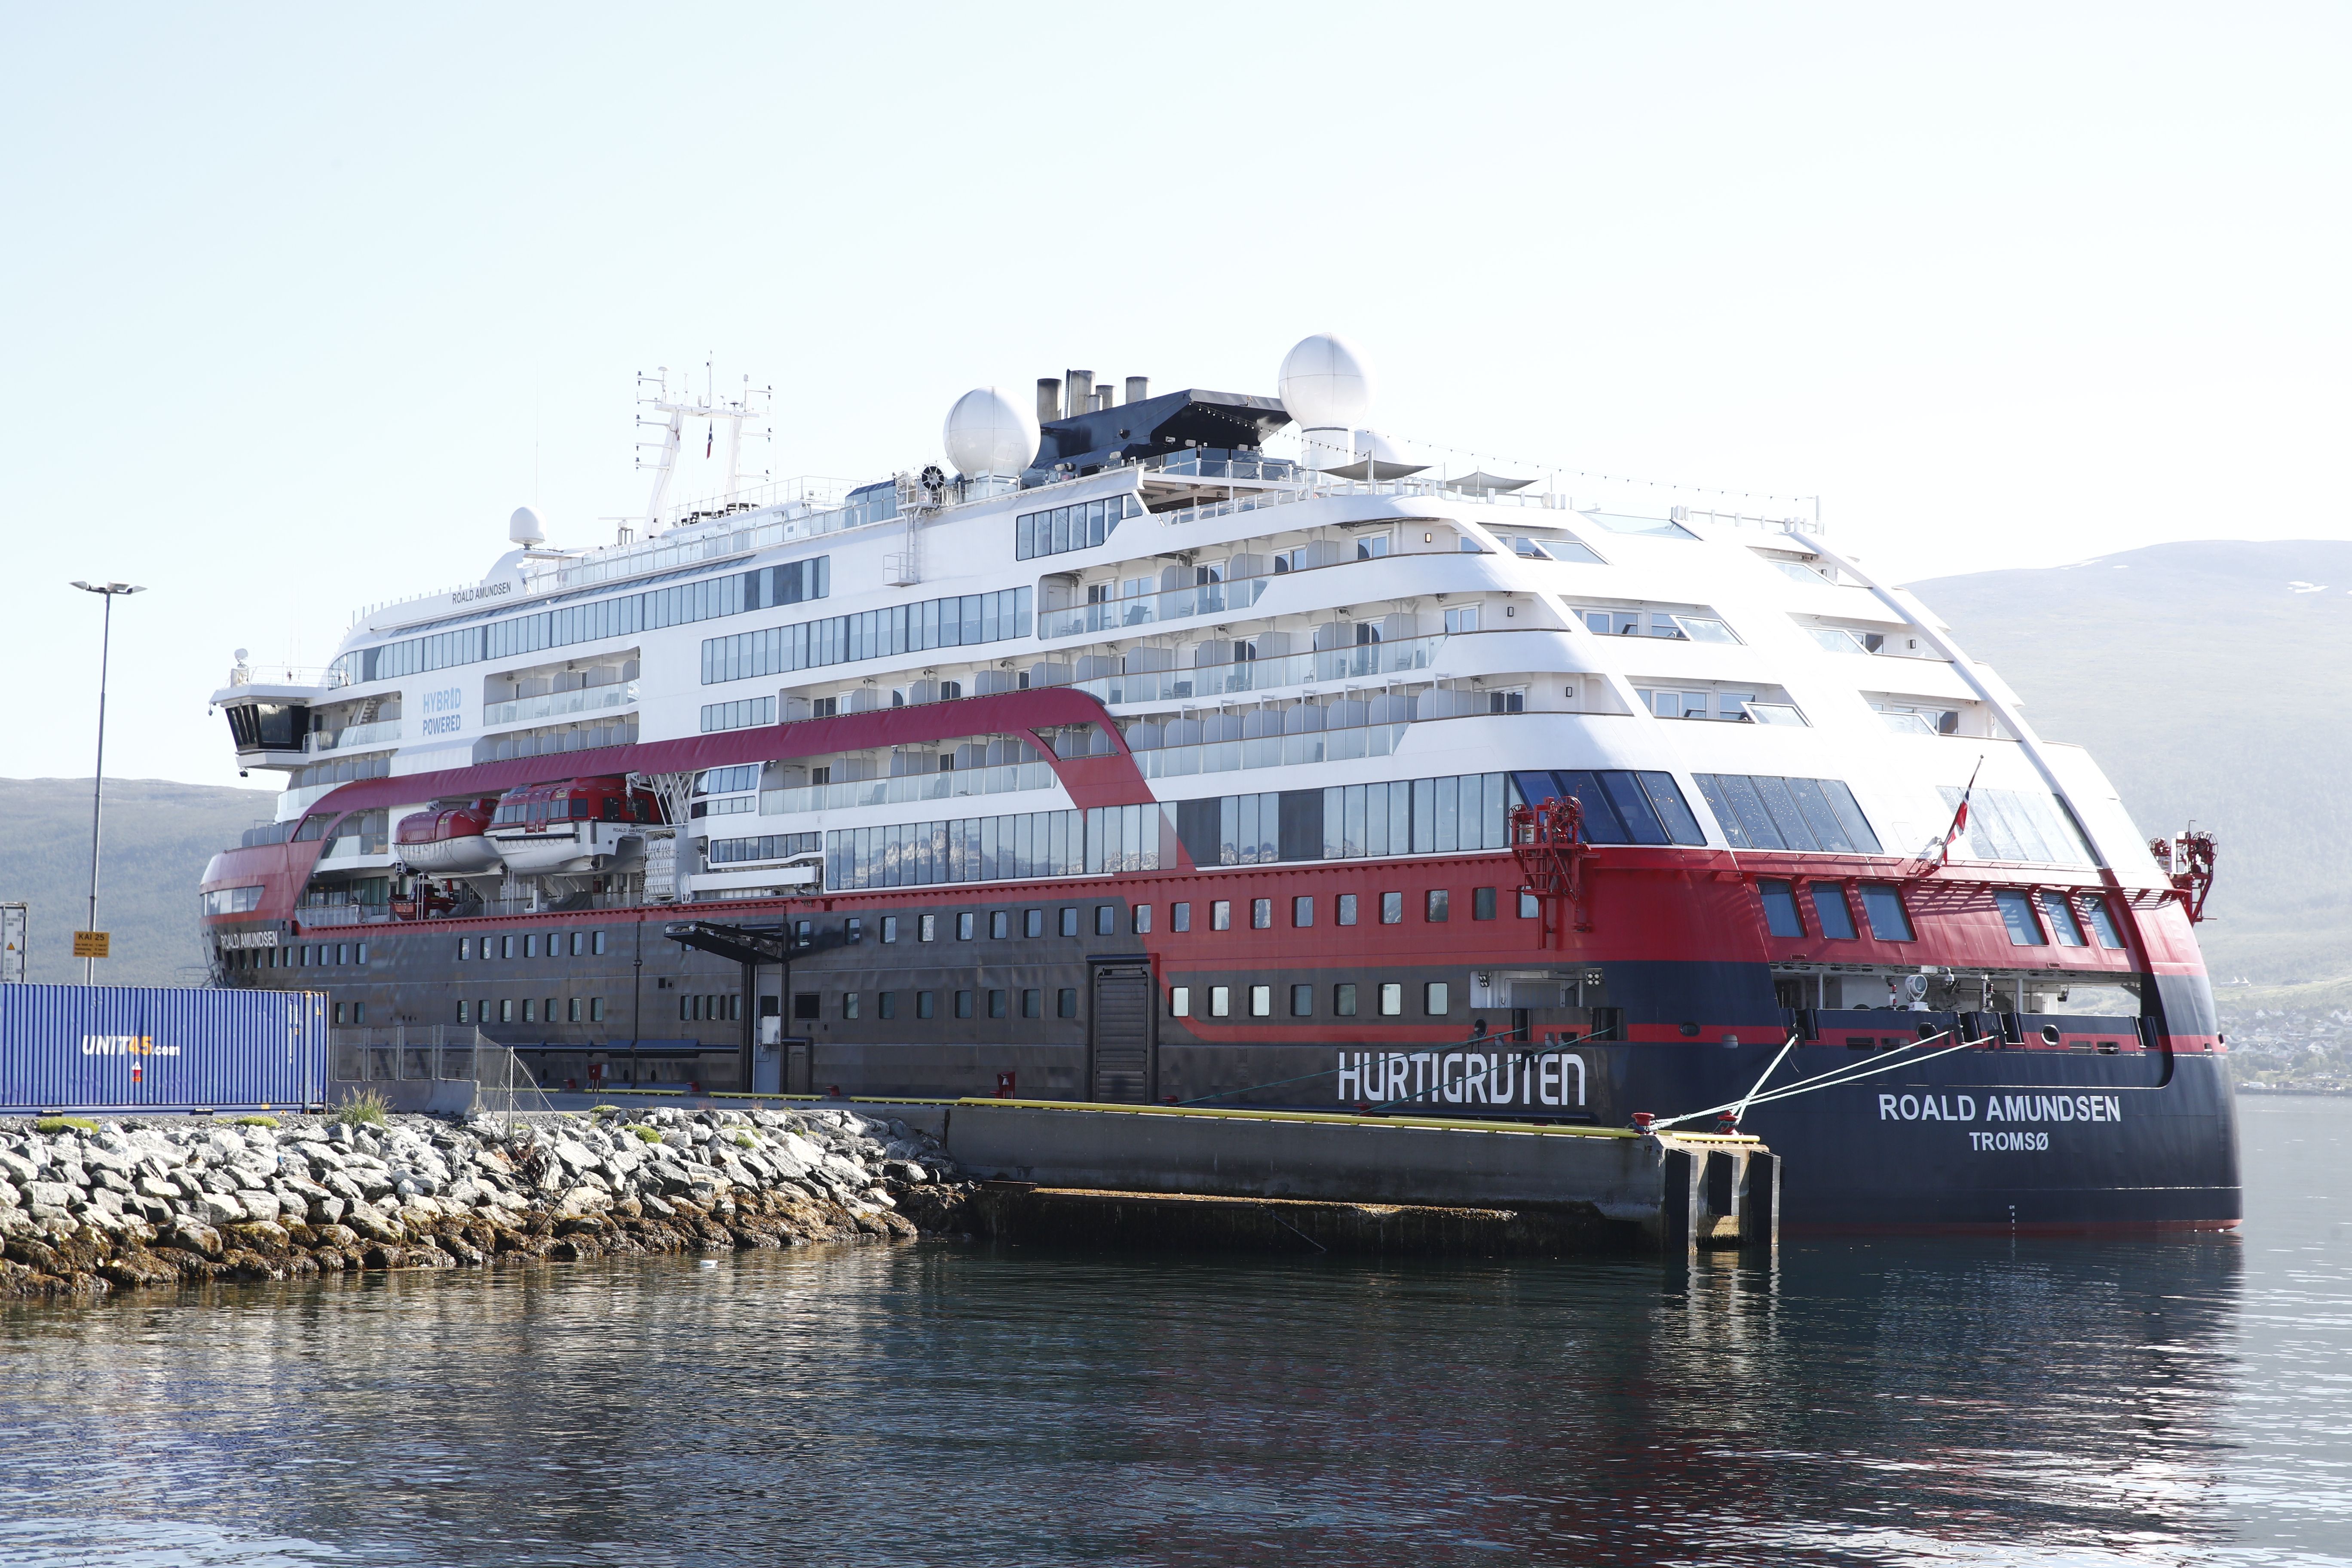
<point x="1143" y="609"/>
<point x="909" y="788"/>
<point x="1213" y="680"/>
<point x="557" y="704"/>
<point x="382" y="732"/>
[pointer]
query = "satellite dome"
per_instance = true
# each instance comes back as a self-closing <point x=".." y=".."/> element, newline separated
<point x="1325" y="384"/>
<point x="523" y="527"/>
<point x="989" y="433"/>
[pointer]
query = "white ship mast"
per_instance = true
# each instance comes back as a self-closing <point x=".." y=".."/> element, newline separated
<point x="670" y="413"/>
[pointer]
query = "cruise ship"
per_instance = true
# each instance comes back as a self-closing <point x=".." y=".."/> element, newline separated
<point x="1205" y="748"/>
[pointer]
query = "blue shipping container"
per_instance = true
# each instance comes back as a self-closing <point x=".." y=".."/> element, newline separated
<point x="132" y="1048"/>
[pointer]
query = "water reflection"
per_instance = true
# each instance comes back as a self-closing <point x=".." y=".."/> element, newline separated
<point x="1971" y="1401"/>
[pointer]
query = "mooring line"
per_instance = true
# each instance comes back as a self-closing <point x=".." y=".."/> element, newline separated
<point x="1837" y="1078"/>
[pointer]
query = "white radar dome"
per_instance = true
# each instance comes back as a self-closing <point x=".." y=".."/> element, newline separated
<point x="1325" y="384"/>
<point x="523" y="527"/>
<point x="989" y="433"/>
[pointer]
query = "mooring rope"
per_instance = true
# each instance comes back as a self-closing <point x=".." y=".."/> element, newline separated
<point x="1836" y="1077"/>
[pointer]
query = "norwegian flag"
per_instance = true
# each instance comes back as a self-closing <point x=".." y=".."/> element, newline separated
<point x="1959" y="817"/>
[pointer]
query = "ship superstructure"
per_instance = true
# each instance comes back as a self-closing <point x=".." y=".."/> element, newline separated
<point x="1130" y="761"/>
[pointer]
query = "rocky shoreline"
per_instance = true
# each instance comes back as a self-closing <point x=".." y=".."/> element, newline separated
<point x="87" y="1205"/>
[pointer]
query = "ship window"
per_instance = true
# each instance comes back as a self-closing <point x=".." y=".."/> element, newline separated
<point x="1220" y="915"/>
<point x="996" y="1004"/>
<point x="1436" y="909"/>
<point x="1883" y="904"/>
<point x="1434" y="998"/>
<point x="1302" y="910"/>
<point x="963" y="1004"/>
<point x="530" y="944"/>
<point x="1347" y="915"/>
<point x="806" y="1003"/>
<point x="595" y="1009"/>
<point x="1391" y="1000"/>
<point x="889" y="928"/>
<point x="1180" y="1001"/>
<point x="1000" y="924"/>
<point x="2061" y="915"/>
<point x="465" y="950"/>
<point x="1761" y="812"/>
<point x="1221" y="1001"/>
<point x="1261" y="1001"/>
<point x="1780" y="917"/>
<point x="1261" y="914"/>
<point x="965" y="926"/>
<point x="571" y="1010"/>
<point x="1033" y="922"/>
<point x="1070" y="919"/>
<point x="1343" y="999"/>
<point x="2017" y="914"/>
<point x="1180" y="917"/>
<point x="885" y="1003"/>
<point x="849" y="1004"/>
<point x="1105" y="919"/>
<point x="928" y="930"/>
<point x="2103" y="920"/>
<point x="1481" y="903"/>
<point x="1033" y="1002"/>
<point x="1066" y="1002"/>
<point x="1142" y="922"/>
<point x="1528" y="908"/>
<point x="506" y="947"/>
<point x="1391" y="908"/>
<point x="1302" y="1001"/>
<point x="462" y="1010"/>
<point x="925" y="1004"/>
<point x="1830" y="909"/>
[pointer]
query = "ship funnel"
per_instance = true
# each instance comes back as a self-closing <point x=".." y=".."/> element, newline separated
<point x="1049" y="399"/>
<point x="1138" y="387"/>
<point x="523" y="528"/>
<point x="1078" y="392"/>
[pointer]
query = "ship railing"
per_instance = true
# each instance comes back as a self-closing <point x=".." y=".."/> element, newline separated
<point x="323" y="915"/>
<point x="1171" y="605"/>
<point x="284" y="674"/>
<point x="1337" y="745"/>
<point x="377" y="734"/>
<point x="1210" y="681"/>
<point x="585" y="699"/>
<point x="905" y="789"/>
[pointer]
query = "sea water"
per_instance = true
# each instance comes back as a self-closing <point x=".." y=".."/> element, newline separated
<point x="1879" y="1400"/>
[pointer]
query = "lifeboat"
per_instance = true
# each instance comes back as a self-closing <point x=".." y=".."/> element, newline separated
<point x="449" y="841"/>
<point x="572" y="826"/>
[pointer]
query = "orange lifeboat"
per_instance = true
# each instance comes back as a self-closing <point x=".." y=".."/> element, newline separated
<point x="449" y="841"/>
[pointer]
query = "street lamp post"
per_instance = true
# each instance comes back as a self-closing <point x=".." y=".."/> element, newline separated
<point x="109" y="592"/>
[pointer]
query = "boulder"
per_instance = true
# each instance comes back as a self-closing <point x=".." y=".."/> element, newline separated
<point x="219" y="1208"/>
<point x="258" y="1204"/>
<point x="197" y="1238"/>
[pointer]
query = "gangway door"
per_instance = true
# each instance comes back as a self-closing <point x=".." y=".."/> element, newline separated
<point x="1122" y="1015"/>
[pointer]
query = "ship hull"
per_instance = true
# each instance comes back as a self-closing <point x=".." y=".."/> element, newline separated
<point x="2055" y="1122"/>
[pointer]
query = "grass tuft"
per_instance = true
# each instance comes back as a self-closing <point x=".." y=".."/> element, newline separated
<point x="256" y="1121"/>
<point x="56" y="1124"/>
<point x="365" y="1108"/>
<point x="647" y="1134"/>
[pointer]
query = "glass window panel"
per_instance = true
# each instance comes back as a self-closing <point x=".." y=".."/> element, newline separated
<point x="1774" y="792"/>
<point x="2017" y="914"/>
<point x="1625" y="792"/>
<point x="1780" y="917"/>
<point x="1673" y="811"/>
<point x="1710" y="788"/>
<point x="2061" y="915"/>
<point x="1858" y="831"/>
<point x="1749" y="807"/>
<point x="1834" y="915"/>
<point x="1602" y="822"/>
<point x="1820" y="815"/>
<point x="1881" y="904"/>
<point x="2103" y="920"/>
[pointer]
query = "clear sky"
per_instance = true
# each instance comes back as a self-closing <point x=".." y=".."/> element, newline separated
<point x="300" y="303"/>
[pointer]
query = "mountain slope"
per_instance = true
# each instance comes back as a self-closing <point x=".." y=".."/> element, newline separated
<point x="158" y="837"/>
<point x="2204" y="678"/>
